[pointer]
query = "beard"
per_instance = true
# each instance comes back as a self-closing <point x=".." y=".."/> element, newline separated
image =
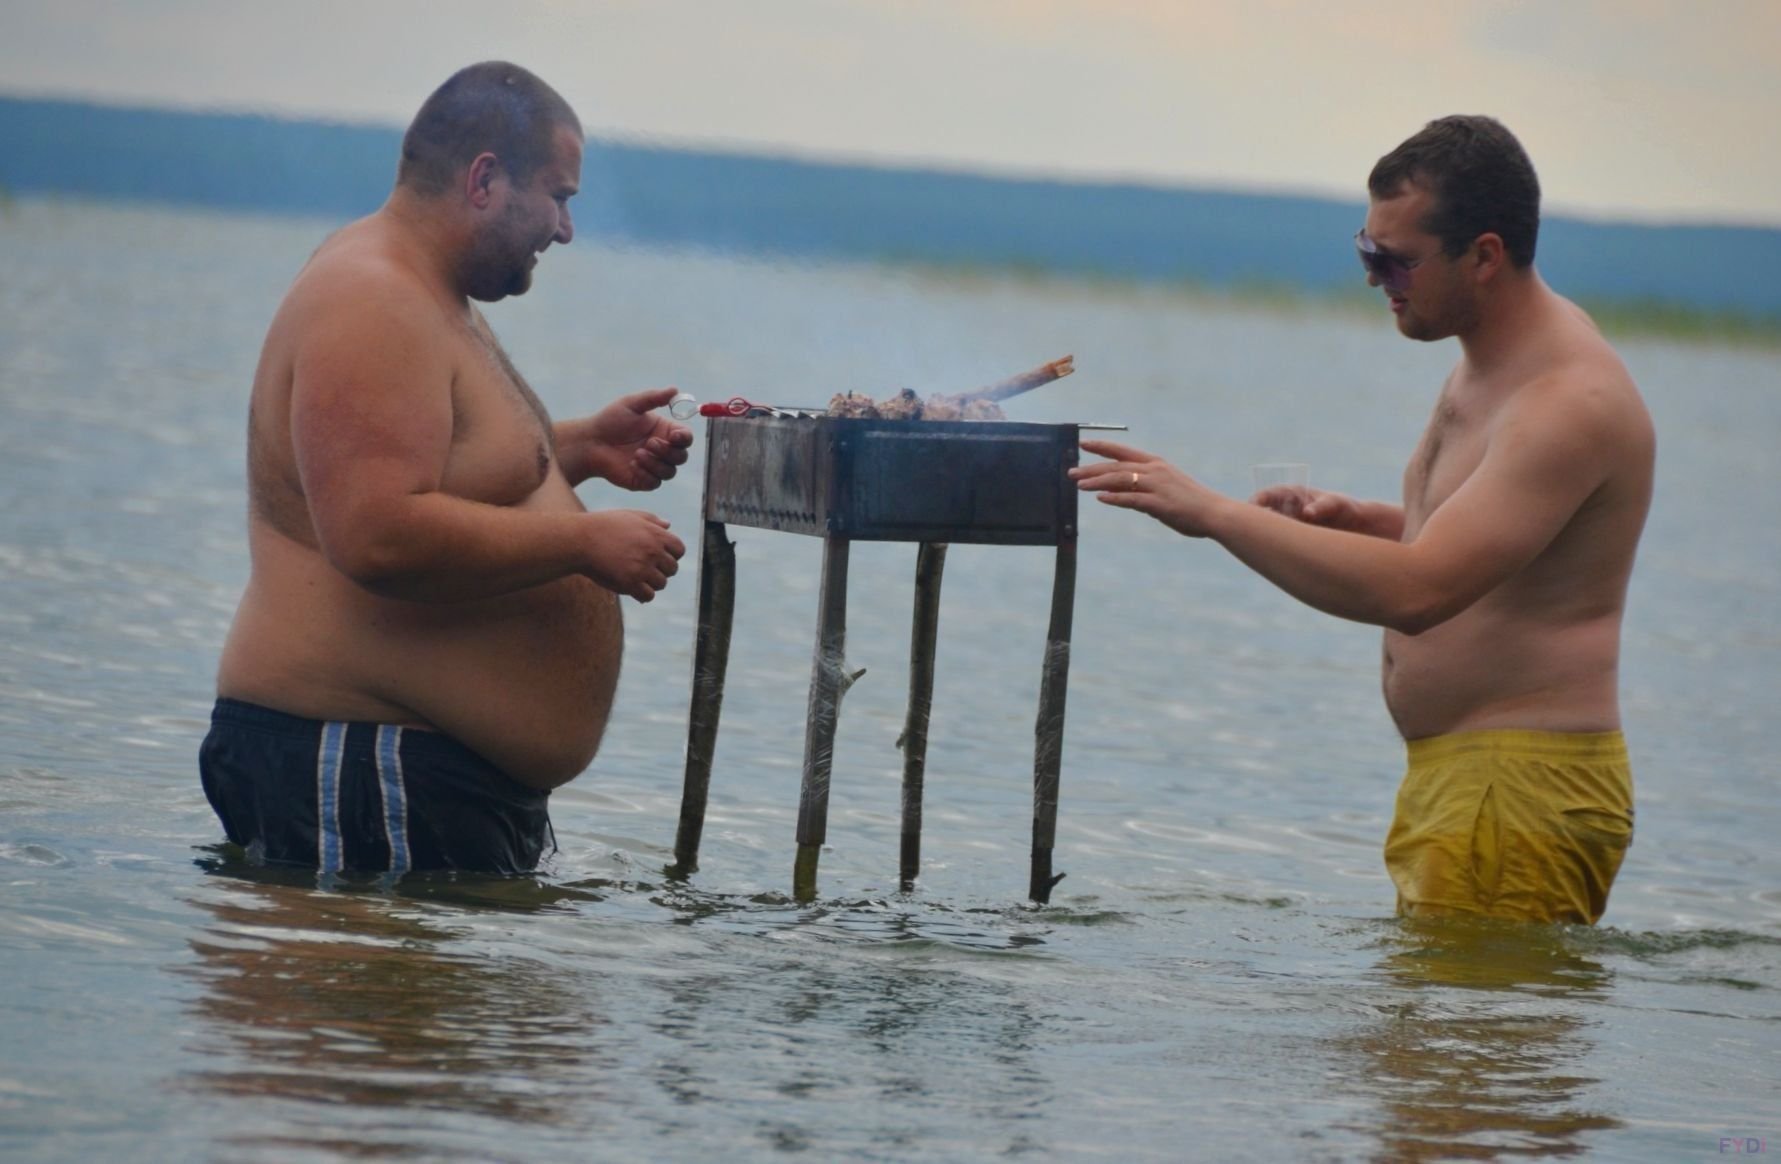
<point x="1439" y="320"/>
<point x="501" y="263"/>
<point x="519" y="281"/>
<point x="488" y="279"/>
<point x="1412" y="325"/>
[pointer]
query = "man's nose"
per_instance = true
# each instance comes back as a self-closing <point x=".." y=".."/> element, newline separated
<point x="565" y="226"/>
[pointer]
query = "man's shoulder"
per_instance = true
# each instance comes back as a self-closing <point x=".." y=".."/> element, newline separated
<point x="1584" y="358"/>
<point x="1595" y="386"/>
<point x="1579" y="372"/>
<point x="357" y="272"/>
<point x="1582" y="403"/>
<point x="359" y="307"/>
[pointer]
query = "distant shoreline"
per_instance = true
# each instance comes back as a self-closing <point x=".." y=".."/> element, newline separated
<point x="1686" y="281"/>
<point x="1631" y="319"/>
<point x="1620" y="318"/>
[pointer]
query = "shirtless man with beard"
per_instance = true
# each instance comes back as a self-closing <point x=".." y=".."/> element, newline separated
<point x="430" y="637"/>
<point x="1501" y="579"/>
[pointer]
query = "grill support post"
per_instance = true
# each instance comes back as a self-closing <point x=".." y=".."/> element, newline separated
<point x="1048" y="747"/>
<point x="930" y="565"/>
<point x="711" y="659"/>
<point x="828" y="682"/>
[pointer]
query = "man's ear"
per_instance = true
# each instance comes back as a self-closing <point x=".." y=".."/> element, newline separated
<point x="1492" y="256"/>
<point x="479" y="179"/>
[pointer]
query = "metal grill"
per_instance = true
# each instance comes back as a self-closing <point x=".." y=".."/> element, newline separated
<point x="844" y="480"/>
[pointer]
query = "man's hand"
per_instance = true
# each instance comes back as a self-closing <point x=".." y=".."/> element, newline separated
<point x="1333" y="510"/>
<point x="1134" y="479"/>
<point x="633" y="552"/>
<point x="626" y="442"/>
<point x="1294" y="501"/>
<point x="1311" y="506"/>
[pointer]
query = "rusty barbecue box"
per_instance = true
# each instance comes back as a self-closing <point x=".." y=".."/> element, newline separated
<point x="988" y="482"/>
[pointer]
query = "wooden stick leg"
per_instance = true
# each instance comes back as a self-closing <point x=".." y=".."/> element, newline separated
<point x="711" y="658"/>
<point x="827" y="682"/>
<point x="1049" y="731"/>
<point x="804" y="872"/>
<point x="930" y="564"/>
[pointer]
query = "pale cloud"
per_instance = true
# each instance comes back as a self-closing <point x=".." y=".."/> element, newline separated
<point x="1646" y="107"/>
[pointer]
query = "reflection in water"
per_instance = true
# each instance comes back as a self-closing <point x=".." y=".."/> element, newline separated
<point x="868" y="1011"/>
<point x="351" y="1000"/>
<point x="366" y="1021"/>
<point x="914" y="1057"/>
<point x="1475" y="1059"/>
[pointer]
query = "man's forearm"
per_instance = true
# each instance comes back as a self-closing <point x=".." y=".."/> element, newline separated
<point x="574" y="450"/>
<point x="1366" y="576"/>
<point x="434" y="547"/>
<point x="1379" y="519"/>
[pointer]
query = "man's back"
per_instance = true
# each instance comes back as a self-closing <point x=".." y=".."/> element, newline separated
<point x="1554" y="432"/>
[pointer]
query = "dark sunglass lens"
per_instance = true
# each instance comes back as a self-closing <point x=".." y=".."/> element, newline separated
<point x="1390" y="270"/>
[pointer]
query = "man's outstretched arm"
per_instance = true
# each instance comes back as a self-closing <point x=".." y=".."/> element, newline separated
<point x="1538" y="472"/>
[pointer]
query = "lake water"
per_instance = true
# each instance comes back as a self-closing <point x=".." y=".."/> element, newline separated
<point x="1220" y="975"/>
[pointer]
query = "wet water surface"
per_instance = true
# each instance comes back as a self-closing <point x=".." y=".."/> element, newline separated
<point x="1219" y="975"/>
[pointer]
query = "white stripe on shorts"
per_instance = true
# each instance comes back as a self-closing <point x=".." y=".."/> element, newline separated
<point x="327" y="796"/>
<point x="395" y="795"/>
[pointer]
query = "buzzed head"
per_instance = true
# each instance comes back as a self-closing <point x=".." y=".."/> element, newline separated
<point x="493" y="107"/>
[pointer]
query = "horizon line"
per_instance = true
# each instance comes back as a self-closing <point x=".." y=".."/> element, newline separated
<point x="765" y="151"/>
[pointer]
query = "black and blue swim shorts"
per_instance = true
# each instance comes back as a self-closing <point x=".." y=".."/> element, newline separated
<point x="365" y="797"/>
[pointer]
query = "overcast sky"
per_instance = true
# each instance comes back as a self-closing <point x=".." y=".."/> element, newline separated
<point x="1654" y="109"/>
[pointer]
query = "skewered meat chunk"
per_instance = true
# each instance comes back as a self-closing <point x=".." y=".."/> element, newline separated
<point x="852" y="405"/>
<point x="905" y="405"/>
<point x="942" y="406"/>
<point x="978" y="405"/>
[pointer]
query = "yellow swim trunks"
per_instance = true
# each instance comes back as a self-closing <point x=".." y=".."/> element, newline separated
<point x="1516" y="824"/>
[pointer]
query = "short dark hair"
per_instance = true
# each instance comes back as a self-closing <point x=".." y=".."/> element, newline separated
<point x="1481" y="179"/>
<point x="495" y="107"/>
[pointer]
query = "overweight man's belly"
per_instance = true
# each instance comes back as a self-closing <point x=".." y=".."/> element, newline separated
<point x="1476" y="672"/>
<point x="526" y="679"/>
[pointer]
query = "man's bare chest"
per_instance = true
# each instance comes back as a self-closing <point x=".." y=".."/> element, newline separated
<point x="501" y="447"/>
<point x="1451" y="450"/>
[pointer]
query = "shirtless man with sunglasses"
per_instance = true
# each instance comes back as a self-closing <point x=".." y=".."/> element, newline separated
<point x="1501" y="578"/>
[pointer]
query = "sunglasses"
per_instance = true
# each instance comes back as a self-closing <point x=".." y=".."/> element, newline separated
<point x="1392" y="271"/>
